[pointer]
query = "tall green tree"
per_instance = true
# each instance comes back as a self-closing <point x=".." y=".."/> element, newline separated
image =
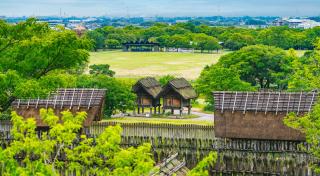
<point x="179" y="41"/>
<point x="238" y="40"/>
<point x="113" y="44"/>
<point x="203" y="42"/>
<point x="261" y="65"/>
<point x="97" y="37"/>
<point x="33" y="50"/>
<point x="306" y="74"/>
<point x="217" y="78"/>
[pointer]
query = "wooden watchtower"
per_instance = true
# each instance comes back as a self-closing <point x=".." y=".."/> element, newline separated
<point x="177" y="94"/>
<point x="147" y="91"/>
<point x="259" y="115"/>
<point x="75" y="100"/>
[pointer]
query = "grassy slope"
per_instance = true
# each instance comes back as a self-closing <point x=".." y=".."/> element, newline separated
<point x="132" y="64"/>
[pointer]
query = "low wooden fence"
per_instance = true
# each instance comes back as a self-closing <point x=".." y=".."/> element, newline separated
<point x="164" y="130"/>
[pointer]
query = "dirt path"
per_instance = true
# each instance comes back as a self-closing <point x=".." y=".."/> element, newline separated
<point x="203" y="116"/>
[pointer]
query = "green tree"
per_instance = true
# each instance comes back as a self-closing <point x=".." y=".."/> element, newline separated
<point x="306" y="71"/>
<point x="202" y="168"/>
<point x="43" y="155"/>
<point x="217" y="78"/>
<point x="39" y="50"/>
<point x="283" y="37"/>
<point x="165" y="79"/>
<point x="203" y="42"/>
<point x="119" y="96"/>
<point x="260" y="65"/>
<point x="8" y="83"/>
<point x="238" y="40"/>
<point x="112" y="43"/>
<point x="179" y="41"/>
<point x="103" y="69"/>
<point x="308" y="125"/>
<point x="97" y="37"/>
<point x="31" y="50"/>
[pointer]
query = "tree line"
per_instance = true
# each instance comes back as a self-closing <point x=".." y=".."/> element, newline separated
<point x="204" y="38"/>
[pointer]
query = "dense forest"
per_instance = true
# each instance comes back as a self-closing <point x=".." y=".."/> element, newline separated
<point x="203" y="37"/>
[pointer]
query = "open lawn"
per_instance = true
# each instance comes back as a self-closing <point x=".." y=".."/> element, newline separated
<point x="136" y="64"/>
<point x="141" y="64"/>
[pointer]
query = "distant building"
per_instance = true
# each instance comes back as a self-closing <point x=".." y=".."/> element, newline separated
<point x="296" y="23"/>
<point x="80" y="30"/>
<point x="279" y="22"/>
<point x="308" y="24"/>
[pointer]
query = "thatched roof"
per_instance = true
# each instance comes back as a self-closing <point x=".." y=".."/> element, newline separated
<point x="265" y="101"/>
<point x="149" y="84"/>
<point x="66" y="98"/>
<point x="180" y="86"/>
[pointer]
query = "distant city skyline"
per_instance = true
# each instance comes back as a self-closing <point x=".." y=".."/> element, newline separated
<point x="169" y="8"/>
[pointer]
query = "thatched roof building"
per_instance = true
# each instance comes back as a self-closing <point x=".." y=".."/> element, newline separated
<point x="259" y="115"/>
<point x="177" y="94"/>
<point x="147" y="91"/>
<point x="74" y="100"/>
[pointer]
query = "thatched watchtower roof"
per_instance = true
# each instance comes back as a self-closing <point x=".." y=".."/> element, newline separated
<point x="74" y="100"/>
<point x="66" y="98"/>
<point x="148" y="84"/>
<point x="299" y="102"/>
<point x="182" y="87"/>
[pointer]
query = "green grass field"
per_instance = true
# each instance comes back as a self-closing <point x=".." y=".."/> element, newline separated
<point x="135" y="64"/>
<point x="141" y="64"/>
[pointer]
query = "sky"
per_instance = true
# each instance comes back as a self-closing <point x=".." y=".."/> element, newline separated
<point x="149" y="8"/>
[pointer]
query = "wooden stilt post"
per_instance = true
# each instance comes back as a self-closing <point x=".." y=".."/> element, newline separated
<point x="142" y="110"/>
<point x="189" y="109"/>
<point x="155" y="109"/>
<point x="150" y="111"/>
<point x="172" y="111"/>
<point x="138" y="110"/>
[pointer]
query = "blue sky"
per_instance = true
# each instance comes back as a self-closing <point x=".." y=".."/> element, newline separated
<point x="161" y="7"/>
